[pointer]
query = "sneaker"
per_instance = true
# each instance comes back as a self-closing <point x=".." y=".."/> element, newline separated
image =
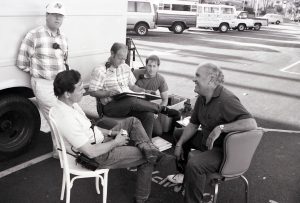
<point x="207" y="198"/>
<point x="177" y="178"/>
<point x="151" y="153"/>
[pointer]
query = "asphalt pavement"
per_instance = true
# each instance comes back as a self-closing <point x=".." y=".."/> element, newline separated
<point x="253" y="64"/>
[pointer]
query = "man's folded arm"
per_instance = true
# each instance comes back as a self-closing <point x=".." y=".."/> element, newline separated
<point x="240" y="125"/>
<point x="93" y="151"/>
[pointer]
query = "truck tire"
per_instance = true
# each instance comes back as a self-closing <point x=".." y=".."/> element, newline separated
<point x="178" y="27"/>
<point x="257" y="26"/>
<point x="141" y="29"/>
<point x="277" y="22"/>
<point x="241" y="27"/>
<point x="223" y="27"/>
<point x="19" y="121"/>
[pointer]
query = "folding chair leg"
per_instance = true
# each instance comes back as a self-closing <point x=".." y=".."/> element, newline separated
<point x="216" y="192"/>
<point x="104" y="186"/>
<point x="246" y="188"/>
<point x="63" y="187"/>
<point x="97" y="185"/>
<point x="68" y="194"/>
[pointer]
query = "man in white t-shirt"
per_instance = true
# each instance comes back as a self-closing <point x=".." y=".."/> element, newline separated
<point x="107" y="147"/>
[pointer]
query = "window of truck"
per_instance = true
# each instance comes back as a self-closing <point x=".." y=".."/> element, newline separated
<point x="227" y="11"/>
<point x="143" y="7"/>
<point x="178" y="7"/>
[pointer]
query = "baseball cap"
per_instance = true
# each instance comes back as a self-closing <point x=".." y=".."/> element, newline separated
<point x="56" y="7"/>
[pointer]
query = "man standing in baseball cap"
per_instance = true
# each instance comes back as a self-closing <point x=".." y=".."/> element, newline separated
<point x="43" y="53"/>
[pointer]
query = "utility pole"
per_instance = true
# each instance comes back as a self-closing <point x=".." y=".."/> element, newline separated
<point x="256" y="7"/>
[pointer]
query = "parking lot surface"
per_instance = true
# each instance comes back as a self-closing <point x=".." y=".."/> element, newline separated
<point x="262" y="68"/>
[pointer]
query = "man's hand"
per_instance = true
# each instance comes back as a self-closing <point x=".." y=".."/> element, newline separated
<point x="150" y="92"/>
<point x="112" y="93"/>
<point x="114" y="133"/>
<point x="212" y="137"/>
<point x="178" y="152"/>
<point x="121" y="139"/>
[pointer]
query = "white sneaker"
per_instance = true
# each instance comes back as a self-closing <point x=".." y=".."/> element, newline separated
<point x="177" y="178"/>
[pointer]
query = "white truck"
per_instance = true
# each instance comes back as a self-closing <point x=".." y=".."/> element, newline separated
<point x="243" y="21"/>
<point x="91" y="28"/>
<point x="218" y="17"/>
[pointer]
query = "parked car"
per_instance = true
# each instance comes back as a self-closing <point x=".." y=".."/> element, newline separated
<point x="141" y="16"/>
<point x="273" y="18"/>
<point x="297" y="18"/>
<point x="177" y="16"/>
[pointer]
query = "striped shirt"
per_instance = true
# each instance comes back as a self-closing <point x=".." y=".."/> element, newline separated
<point x="118" y="79"/>
<point x="37" y="55"/>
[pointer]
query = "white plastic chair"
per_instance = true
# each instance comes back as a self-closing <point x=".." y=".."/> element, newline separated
<point x="69" y="166"/>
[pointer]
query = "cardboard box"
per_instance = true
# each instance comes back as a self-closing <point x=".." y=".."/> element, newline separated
<point x="176" y="102"/>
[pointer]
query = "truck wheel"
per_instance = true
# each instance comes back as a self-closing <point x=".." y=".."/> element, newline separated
<point x="277" y="22"/>
<point x="257" y="26"/>
<point x="178" y="28"/>
<point x="19" y="121"/>
<point x="241" y="27"/>
<point x="141" y="29"/>
<point x="223" y="27"/>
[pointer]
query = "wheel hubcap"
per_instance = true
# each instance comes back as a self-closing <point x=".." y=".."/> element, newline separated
<point x="178" y="28"/>
<point x="142" y="30"/>
<point x="223" y="28"/>
<point x="11" y="124"/>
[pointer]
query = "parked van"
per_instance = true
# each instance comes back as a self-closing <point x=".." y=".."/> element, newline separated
<point x="91" y="28"/>
<point x="218" y="17"/>
<point x="141" y="16"/>
<point x="176" y="15"/>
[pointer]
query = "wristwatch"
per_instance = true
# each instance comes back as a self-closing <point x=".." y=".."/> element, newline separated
<point x="221" y="128"/>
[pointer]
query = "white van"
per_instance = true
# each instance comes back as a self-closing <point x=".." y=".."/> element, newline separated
<point x="217" y="17"/>
<point x="141" y="16"/>
<point x="91" y="28"/>
<point x="177" y="15"/>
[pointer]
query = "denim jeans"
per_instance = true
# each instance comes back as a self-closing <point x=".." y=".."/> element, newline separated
<point x="197" y="165"/>
<point x="130" y="156"/>
<point x="132" y="106"/>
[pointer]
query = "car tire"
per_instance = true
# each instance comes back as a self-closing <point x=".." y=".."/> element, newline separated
<point x="178" y="27"/>
<point x="19" y="122"/>
<point x="141" y="29"/>
<point x="277" y="22"/>
<point x="257" y="26"/>
<point x="241" y="27"/>
<point x="223" y="27"/>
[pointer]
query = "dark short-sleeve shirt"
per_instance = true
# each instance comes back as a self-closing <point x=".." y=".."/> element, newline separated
<point x="156" y="83"/>
<point x="224" y="107"/>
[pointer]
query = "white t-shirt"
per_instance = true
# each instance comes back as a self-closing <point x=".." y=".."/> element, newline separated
<point x="74" y="126"/>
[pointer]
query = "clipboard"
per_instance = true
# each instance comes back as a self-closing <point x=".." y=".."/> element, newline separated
<point x="142" y="95"/>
